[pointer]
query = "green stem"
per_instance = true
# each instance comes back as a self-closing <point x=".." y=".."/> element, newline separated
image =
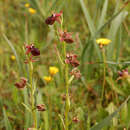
<point x="67" y="92"/>
<point x="32" y="96"/>
<point x="67" y="99"/>
<point x="104" y="73"/>
<point x="67" y="104"/>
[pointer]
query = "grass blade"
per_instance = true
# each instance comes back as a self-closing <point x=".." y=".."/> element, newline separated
<point x="113" y="30"/>
<point x="62" y="120"/>
<point x="27" y="114"/>
<point x="115" y="87"/>
<point x="44" y="114"/>
<point x="106" y="121"/>
<point x="103" y="15"/>
<point x="26" y="107"/>
<point x="6" y="121"/>
<point x="91" y="28"/>
<point x="88" y="18"/>
<point x="119" y="41"/>
<point x="110" y="20"/>
<point x="87" y="45"/>
<point x="14" y="51"/>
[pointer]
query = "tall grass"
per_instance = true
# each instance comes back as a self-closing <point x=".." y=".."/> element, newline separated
<point x="88" y="20"/>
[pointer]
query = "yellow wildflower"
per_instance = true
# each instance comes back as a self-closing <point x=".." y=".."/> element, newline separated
<point x="13" y="57"/>
<point x="103" y="41"/>
<point x="47" y="78"/>
<point x="27" y="5"/>
<point x="32" y="11"/>
<point x="53" y="70"/>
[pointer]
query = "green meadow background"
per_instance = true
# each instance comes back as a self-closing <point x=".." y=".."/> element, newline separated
<point x="88" y="20"/>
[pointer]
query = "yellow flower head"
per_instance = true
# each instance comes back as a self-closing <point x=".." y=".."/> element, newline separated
<point x="13" y="58"/>
<point x="32" y="11"/>
<point x="53" y="70"/>
<point x="47" y="78"/>
<point x="27" y="5"/>
<point x="103" y="41"/>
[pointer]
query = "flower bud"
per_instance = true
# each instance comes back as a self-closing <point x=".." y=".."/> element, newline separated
<point x="41" y="107"/>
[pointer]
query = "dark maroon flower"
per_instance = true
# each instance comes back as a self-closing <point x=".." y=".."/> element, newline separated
<point x="31" y="49"/>
<point x="123" y="74"/>
<point x="35" y="51"/>
<point x="76" y="73"/>
<point x="72" y="59"/>
<point x="120" y="73"/>
<point x="22" y="83"/>
<point x="66" y="36"/>
<point x="41" y="107"/>
<point x="75" y="119"/>
<point x="54" y="17"/>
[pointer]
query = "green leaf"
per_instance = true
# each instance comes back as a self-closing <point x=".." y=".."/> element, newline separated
<point x="118" y="46"/>
<point x="103" y="15"/>
<point x="109" y="21"/>
<point x="113" y="31"/>
<point x="46" y="124"/>
<point x="26" y="107"/>
<point x="27" y="114"/>
<point x="44" y="114"/>
<point x="111" y="108"/>
<point x="128" y="116"/>
<point x="88" y="18"/>
<point x="62" y="120"/>
<point x="106" y="121"/>
<point x="14" y="51"/>
<point x="124" y="114"/>
<point x="92" y="31"/>
<point x="87" y="45"/>
<point x="114" y="86"/>
<point x="6" y="121"/>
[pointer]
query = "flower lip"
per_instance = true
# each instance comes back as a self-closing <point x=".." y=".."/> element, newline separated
<point x="35" y="51"/>
<point x="41" y="107"/>
<point x="72" y="59"/>
<point x="75" y="119"/>
<point x="103" y="41"/>
<point x="54" y="17"/>
<point x="31" y="49"/>
<point x="50" y="20"/>
<point x="66" y="36"/>
<point x="76" y="73"/>
<point x="22" y="83"/>
<point x="123" y="73"/>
